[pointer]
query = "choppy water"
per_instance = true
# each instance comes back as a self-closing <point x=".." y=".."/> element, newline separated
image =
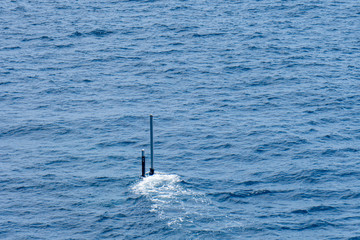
<point x="257" y="119"/>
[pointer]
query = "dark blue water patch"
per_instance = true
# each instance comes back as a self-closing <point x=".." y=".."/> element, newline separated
<point x="5" y="82"/>
<point x="250" y="183"/>
<point x="49" y="176"/>
<point x="43" y="38"/>
<point x="63" y="7"/>
<point x="322" y="208"/>
<point x="100" y="32"/>
<point x="348" y="173"/>
<point x="61" y="46"/>
<point x="99" y="181"/>
<point x="329" y="152"/>
<point x="238" y="69"/>
<point x="315" y="224"/>
<point x="106" y="217"/>
<point x="217" y="146"/>
<point x="95" y="32"/>
<point x="335" y="137"/>
<point x="354" y="238"/>
<point x="351" y="195"/>
<point x="207" y="35"/>
<point x="300" y="211"/>
<point x="76" y="34"/>
<point x="108" y="59"/>
<point x="316" y="209"/>
<point x="58" y="162"/>
<point x="10" y="48"/>
<point x="115" y="143"/>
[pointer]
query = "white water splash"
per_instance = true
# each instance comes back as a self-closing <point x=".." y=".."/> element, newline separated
<point x="159" y="185"/>
<point x="169" y="199"/>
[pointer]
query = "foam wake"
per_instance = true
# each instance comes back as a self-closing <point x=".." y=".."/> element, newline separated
<point x="169" y="199"/>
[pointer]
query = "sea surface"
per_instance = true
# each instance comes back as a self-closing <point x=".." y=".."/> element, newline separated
<point x="256" y="108"/>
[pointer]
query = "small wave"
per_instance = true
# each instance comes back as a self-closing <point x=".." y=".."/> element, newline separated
<point x="57" y="162"/>
<point x="106" y="216"/>
<point x="355" y="238"/>
<point x="5" y="82"/>
<point x="100" y="32"/>
<point x="352" y="195"/>
<point x="34" y="129"/>
<point x="316" y="224"/>
<point x="300" y="211"/>
<point x="64" y="45"/>
<point x="115" y="143"/>
<point x="205" y="35"/>
<point x="310" y="176"/>
<point x="236" y="196"/>
<point x="95" y="32"/>
<point x="314" y="209"/>
<point x="321" y="208"/>
<point x="10" y="48"/>
<point x="237" y="68"/>
<point x="76" y="34"/>
<point x="37" y="38"/>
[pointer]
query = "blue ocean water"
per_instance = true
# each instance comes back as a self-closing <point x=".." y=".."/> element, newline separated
<point x="256" y="116"/>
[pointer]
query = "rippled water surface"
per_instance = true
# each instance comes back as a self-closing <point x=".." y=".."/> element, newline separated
<point x="256" y="114"/>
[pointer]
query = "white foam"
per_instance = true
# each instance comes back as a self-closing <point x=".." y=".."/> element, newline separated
<point x="169" y="199"/>
<point x="164" y="185"/>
